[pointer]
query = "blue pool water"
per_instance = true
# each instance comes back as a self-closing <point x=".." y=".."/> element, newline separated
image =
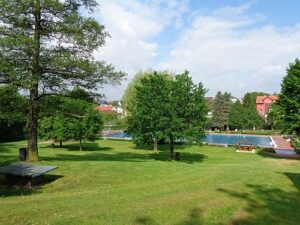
<point x="230" y="139"/>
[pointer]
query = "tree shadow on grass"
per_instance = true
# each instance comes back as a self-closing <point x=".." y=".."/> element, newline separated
<point x="194" y="218"/>
<point x="272" y="154"/>
<point x="18" y="190"/>
<point x="87" y="147"/>
<point x="126" y="157"/>
<point x="295" y="178"/>
<point x="267" y="206"/>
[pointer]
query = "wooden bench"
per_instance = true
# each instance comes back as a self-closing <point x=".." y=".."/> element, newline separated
<point x="25" y="173"/>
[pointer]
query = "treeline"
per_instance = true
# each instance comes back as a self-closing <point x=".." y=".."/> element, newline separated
<point x="71" y="115"/>
<point x="231" y="115"/>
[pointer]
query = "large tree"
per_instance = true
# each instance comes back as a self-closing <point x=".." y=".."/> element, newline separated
<point x="168" y="108"/>
<point x="187" y="110"/>
<point x="46" y="47"/>
<point x="149" y="112"/>
<point x="289" y="98"/>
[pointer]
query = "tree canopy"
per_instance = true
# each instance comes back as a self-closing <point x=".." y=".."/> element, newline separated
<point x="221" y="108"/>
<point x="46" y="48"/>
<point x="289" y="99"/>
<point x="168" y="109"/>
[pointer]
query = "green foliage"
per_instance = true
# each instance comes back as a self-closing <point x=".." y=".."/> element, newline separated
<point x="237" y="115"/>
<point x="129" y="97"/>
<point x="221" y="109"/>
<point x="46" y="48"/>
<point x="289" y="99"/>
<point x="253" y="119"/>
<point x="167" y="109"/>
<point x="13" y="109"/>
<point x="149" y="116"/>
<point x="75" y="119"/>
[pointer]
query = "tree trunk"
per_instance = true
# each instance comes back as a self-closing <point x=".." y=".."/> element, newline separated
<point x="60" y="144"/>
<point x="32" y="148"/>
<point x="80" y="144"/>
<point x="171" y="145"/>
<point x="155" y="144"/>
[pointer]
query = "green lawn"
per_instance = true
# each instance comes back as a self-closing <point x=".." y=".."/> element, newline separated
<point x="112" y="182"/>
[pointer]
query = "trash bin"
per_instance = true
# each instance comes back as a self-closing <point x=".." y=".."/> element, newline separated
<point x="177" y="156"/>
<point x="22" y="154"/>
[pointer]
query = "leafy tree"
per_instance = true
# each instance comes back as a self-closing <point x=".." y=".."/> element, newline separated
<point x="46" y="47"/>
<point x="221" y="109"/>
<point x="12" y="114"/>
<point x="168" y="109"/>
<point x="289" y="98"/>
<point x="54" y="127"/>
<point x="253" y="119"/>
<point x="129" y="97"/>
<point x="187" y="110"/>
<point x="149" y="117"/>
<point x="237" y="115"/>
<point x="76" y="119"/>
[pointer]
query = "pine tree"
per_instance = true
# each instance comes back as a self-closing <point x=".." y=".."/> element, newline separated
<point x="46" y="47"/>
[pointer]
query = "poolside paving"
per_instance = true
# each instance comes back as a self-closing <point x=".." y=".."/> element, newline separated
<point x="282" y="146"/>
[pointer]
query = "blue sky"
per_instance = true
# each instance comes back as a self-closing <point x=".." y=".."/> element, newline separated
<point x="234" y="46"/>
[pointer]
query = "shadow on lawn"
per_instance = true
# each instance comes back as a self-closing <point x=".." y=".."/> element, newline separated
<point x="194" y="218"/>
<point x="295" y="178"/>
<point x="271" y="154"/>
<point x="127" y="157"/>
<point x="267" y="206"/>
<point x="16" y="190"/>
<point x="87" y="147"/>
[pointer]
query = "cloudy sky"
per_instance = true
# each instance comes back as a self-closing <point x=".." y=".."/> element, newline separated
<point x="232" y="45"/>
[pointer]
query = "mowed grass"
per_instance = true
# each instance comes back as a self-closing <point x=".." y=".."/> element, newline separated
<point x="113" y="182"/>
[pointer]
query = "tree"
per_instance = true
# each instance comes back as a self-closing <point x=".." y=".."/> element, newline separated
<point x="187" y="111"/>
<point x="129" y="97"/>
<point x="168" y="109"/>
<point x="46" y="47"/>
<point x="12" y="114"/>
<point x="148" y="112"/>
<point x="237" y="116"/>
<point x="54" y="127"/>
<point x="221" y="108"/>
<point x="253" y="119"/>
<point x="75" y="119"/>
<point x="289" y="98"/>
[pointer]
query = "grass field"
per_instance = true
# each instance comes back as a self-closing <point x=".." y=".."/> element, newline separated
<point x="112" y="182"/>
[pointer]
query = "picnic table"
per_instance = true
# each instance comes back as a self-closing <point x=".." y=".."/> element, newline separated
<point x="25" y="173"/>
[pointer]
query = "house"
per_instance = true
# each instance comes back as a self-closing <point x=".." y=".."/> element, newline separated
<point x="264" y="104"/>
<point x="110" y="109"/>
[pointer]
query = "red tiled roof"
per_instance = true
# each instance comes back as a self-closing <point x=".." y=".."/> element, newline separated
<point x="105" y="108"/>
<point x="260" y="99"/>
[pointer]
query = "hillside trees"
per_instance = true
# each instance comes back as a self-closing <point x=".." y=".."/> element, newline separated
<point x="46" y="47"/>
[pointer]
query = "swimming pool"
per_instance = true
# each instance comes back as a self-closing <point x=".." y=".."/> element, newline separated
<point x="222" y="139"/>
<point x="232" y="139"/>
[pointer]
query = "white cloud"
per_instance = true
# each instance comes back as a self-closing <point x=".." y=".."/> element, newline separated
<point x="228" y="49"/>
<point x="234" y="54"/>
<point x="133" y="27"/>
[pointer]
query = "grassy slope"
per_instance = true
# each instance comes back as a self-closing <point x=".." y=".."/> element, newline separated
<point x="114" y="183"/>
